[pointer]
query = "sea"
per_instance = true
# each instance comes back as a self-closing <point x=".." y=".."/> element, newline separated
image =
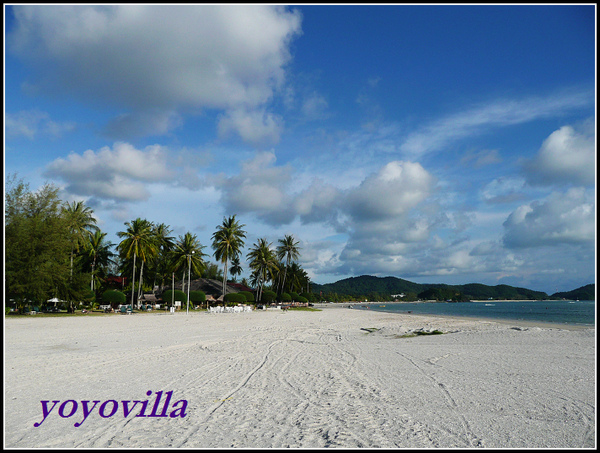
<point x="568" y="312"/>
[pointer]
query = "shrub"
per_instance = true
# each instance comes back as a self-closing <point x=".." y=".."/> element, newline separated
<point x="301" y="299"/>
<point x="268" y="296"/>
<point x="285" y="297"/>
<point x="294" y="296"/>
<point x="248" y="295"/>
<point x="197" y="296"/>
<point x="310" y="296"/>
<point x="179" y="295"/>
<point x="113" y="297"/>
<point x="234" y="298"/>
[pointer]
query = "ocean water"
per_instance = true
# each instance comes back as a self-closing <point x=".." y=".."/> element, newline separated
<point x="552" y="311"/>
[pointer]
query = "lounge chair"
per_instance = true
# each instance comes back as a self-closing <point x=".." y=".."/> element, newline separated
<point x="125" y="310"/>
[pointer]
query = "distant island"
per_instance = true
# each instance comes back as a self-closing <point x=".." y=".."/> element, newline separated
<point x="368" y="287"/>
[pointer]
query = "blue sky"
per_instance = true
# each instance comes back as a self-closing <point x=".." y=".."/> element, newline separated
<point x="440" y="144"/>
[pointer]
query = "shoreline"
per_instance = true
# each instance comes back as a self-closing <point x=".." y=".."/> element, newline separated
<point x="519" y="322"/>
<point x="271" y="379"/>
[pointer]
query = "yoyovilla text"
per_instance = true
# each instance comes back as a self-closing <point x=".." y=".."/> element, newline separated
<point x="108" y="408"/>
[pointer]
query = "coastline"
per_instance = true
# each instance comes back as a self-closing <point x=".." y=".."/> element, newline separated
<point x="333" y="378"/>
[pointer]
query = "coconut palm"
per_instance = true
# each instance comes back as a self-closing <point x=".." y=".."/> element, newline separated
<point x="100" y="253"/>
<point x="138" y="241"/>
<point x="161" y="263"/>
<point x="81" y="224"/>
<point x="188" y="253"/>
<point x="263" y="263"/>
<point x="228" y="241"/>
<point x="236" y="267"/>
<point x="287" y="250"/>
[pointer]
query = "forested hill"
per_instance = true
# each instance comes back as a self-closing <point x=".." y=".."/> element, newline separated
<point x="383" y="288"/>
<point x="587" y="292"/>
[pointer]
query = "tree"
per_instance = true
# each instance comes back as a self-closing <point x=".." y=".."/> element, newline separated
<point x="263" y="263"/>
<point x="138" y="241"/>
<point x="37" y="243"/>
<point x="99" y="252"/>
<point x="81" y="224"/>
<point x="298" y="278"/>
<point x="228" y="241"/>
<point x="287" y="250"/>
<point x="236" y="267"/>
<point x="187" y="253"/>
<point x="161" y="264"/>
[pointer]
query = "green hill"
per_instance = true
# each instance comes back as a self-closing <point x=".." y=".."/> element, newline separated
<point x="382" y="288"/>
<point x="587" y="292"/>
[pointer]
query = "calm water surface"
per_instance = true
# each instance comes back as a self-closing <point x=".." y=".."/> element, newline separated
<point x="552" y="311"/>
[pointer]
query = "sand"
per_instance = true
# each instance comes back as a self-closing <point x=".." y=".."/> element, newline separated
<point x="269" y="379"/>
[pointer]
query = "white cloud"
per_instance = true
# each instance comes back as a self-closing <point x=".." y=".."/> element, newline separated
<point x="259" y="188"/>
<point x="568" y="155"/>
<point x="567" y="218"/>
<point x="503" y="190"/>
<point x="395" y="189"/>
<point x="256" y="126"/>
<point x="182" y="57"/>
<point x="32" y="123"/>
<point x="478" y="119"/>
<point x="119" y="173"/>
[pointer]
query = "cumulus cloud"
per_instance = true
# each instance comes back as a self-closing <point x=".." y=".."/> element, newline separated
<point x="118" y="174"/>
<point x="396" y="188"/>
<point x="260" y="188"/>
<point x="567" y="156"/>
<point x="563" y="218"/>
<point x="158" y="57"/>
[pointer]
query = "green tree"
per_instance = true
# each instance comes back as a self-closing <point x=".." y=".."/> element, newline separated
<point x="187" y="254"/>
<point x="37" y="243"/>
<point x="98" y="252"/>
<point x="228" y="241"/>
<point x="263" y="263"/>
<point x="236" y="267"/>
<point x="287" y="250"/>
<point x="81" y="224"/>
<point x="161" y="264"/>
<point x="138" y="240"/>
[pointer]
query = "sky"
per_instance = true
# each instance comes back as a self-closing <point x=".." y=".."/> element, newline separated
<point x="439" y="144"/>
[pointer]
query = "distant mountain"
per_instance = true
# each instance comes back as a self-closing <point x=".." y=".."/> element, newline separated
<point x="587" y="292"/>
<point x="382" y="288"/>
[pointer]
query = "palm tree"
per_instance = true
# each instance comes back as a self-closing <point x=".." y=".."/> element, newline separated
<point x="81" y="223"/>
<point x="288" y="250"/>
<point x="188" y="253"/>
<point x="138" y="241"/>
<point x="227" y="243"/>
<point x="165" y="243"/>
<point x="297" y="278"/>
<point x="99" y="251"/>
<point x="263" y="263"/>
<point x="236" y="267"/>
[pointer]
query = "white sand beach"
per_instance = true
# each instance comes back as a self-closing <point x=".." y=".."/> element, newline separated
<point x="269" y="379"/>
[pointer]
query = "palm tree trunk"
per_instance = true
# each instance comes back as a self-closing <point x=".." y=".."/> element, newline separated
<point x="225" y="279"/>
<point x="133" y="282"/>
<point x="93" y="267"/>
<point x="140" y="284"/>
